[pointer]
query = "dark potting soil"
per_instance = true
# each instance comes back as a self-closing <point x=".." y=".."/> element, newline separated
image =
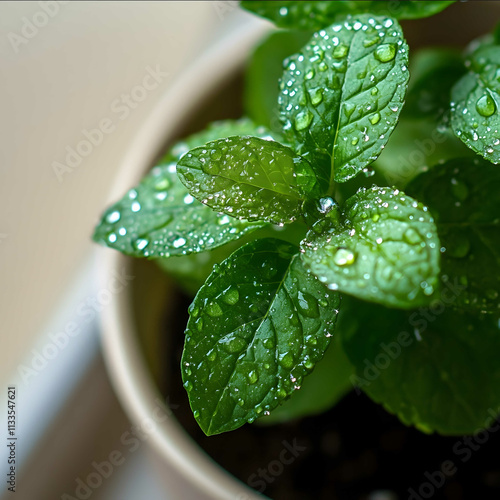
<point x="355" y="451"/>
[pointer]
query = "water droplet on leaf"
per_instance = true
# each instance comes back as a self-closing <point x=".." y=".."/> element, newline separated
<point x="485" y="105"/>
<point x="385" y="52"/>
<point x="375" y="118"/>
<point x="213" y="309"/>
<point x="316" y="96"/>
<point x="340" y="51"/>
<point x="344" y="257"/>
<point x="308" y="305"/>
<point x="140" y="243"/>
<point x="303" y="120"/>
<point x="231" y="296"/>
<point x="113" y="217"/>
<point x="286" y="360"/>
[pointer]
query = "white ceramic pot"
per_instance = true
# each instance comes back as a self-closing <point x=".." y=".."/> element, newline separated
<point x="188" y="472"/>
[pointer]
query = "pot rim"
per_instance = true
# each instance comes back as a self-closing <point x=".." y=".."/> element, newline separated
<point x="125" y="363"/>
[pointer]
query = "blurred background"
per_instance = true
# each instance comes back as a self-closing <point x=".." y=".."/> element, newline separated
<point x="65" y="68"/>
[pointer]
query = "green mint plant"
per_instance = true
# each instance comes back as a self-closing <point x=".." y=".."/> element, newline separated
<point x="279" y="217"/>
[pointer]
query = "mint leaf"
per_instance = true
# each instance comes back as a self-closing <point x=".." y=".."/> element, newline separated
<point x="263" y="73"/>
<point x="383" y="248"/>
<point x="342" y="94"/>
<point x="321" y="390"/>
<point x="249" y="178"/>
<point x="434" y="368"/>
<point x="318" y="14"/>
<point x="159" y="218"/>
<point x="475" y="99"/>
<point x="256" y="329"/>
<point x="462" y="195"/>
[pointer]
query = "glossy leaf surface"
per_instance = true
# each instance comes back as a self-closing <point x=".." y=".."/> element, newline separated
<point x="256" y="329"/>
<point x="382" y="248"/>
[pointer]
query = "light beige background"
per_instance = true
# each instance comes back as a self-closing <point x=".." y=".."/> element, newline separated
<point x="57" y="80"/>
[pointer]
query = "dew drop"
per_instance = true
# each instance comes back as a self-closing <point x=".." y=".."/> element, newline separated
<point x="223" y="220"/>
<point x="309" y="75"/>
<point x="375" y="118"/>
<point x="252" y="376"/>
<point x="113" y="217"/>
<point x="179" y="242"/>
<point x="231" y="296"/>
<point x="311" y="340"/>
<point x="286" y="360"/>
<point x="485" y="105"/>
<point x="326" y="204"/>
<point x="385" y="52"/>
<point x="269" y="343"/>
<point x="234" y="345"/>
<point x="316" y="96"/>
<point x="162" y="184"/>
<point x="303" y="120"/>
<point x="216" y="154"/>
<point x="308" y="305"/>
<point x="199" y="324"/>
<point x="193" y="310"/>
<point x="344" y="257"/>
<point x="340" y="51"/>
<point x="213" y="309"/>
<point x="349" y="109"/>
<point x="210" y="167"/>
<point x="212" y="355"/>
<point x="140" y="243"/>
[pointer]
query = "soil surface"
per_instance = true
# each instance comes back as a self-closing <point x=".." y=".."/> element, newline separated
<point x="355" y="451"/>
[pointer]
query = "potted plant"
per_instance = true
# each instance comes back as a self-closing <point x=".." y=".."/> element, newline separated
<point x="308" y="238"/>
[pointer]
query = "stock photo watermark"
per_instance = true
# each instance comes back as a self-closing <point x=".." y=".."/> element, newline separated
<point x="462" y="450"/>
<point x="11" y="439"/>
<point x="223" y="8"/>
<point x="86" y="311"/>
<point x="130" y="441"/>
<point x="32" y="25"/>
<point x="264" y="476"/>
<point x="120" y="108"/>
